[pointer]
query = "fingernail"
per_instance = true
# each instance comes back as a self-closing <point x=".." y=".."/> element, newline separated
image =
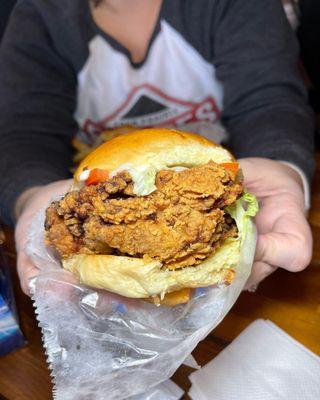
<point x="253" y="288"/>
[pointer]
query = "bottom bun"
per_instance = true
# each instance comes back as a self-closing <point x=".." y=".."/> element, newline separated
<point x="171" y="299"/>
<point x="141" y="278"/>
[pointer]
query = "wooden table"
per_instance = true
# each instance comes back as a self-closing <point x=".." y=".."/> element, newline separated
<point x="292" y="301"/>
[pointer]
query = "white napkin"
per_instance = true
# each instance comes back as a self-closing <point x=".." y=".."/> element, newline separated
<point x="262" y="363"/>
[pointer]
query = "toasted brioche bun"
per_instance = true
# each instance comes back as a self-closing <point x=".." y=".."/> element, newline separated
<point x="137" y="278"/>
<point x="143" y="153"/>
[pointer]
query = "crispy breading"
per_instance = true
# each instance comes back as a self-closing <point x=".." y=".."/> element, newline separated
<point x="179" y="224"/>
<point x="65" y="238"/>
<point x="174" y="234"/>
<point x="58" y="234"/>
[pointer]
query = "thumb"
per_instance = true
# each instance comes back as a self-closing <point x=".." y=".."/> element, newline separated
<point x="260" y="271"/>
<point x="288" y="249"/>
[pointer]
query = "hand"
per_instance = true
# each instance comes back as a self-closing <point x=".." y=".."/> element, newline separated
<point x="284" y="235"/>
<point x="28" y="204"/>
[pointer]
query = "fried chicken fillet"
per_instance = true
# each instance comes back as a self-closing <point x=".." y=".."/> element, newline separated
<point x="180" y="224"/>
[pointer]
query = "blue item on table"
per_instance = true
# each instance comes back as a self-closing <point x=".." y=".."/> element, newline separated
<point x="10" y="334"/>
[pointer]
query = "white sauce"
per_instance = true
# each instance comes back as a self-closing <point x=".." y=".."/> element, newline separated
<point x="142" y="176"/>
<point x="84" y="175"/>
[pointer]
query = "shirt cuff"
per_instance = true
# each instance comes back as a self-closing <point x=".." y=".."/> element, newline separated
<point x="306" y="186"/>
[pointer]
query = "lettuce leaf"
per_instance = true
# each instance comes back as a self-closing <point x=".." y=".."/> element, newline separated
<point x="242" y="211"/>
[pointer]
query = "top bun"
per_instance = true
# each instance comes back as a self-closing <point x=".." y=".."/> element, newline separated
<point x="144" y="152"/>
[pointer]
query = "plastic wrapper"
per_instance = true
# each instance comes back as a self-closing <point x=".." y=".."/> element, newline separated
<point x="103" y="346"/>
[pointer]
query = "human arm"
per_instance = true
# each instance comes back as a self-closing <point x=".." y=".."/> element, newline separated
<point x="37" y="100"/>
<point x="265" y="104"/>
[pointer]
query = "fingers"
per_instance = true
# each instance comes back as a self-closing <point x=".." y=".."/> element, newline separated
<point x="63" y="284"/>
<point x="40" y="198"/>
<point x="284" y="238"/>
<point x="291" y="251"/>
<point x="26" y="271"/>
<point x="260" y="271"/>
<point x="288" y="245"/>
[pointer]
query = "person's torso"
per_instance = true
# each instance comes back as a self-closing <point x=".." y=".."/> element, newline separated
<point x="174" y="86"/>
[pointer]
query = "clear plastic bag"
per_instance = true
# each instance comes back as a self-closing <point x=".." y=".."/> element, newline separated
<point x="103" y="346"/>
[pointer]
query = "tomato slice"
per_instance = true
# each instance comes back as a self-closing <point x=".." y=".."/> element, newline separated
<point x="96" y="176"/>
<point x="231" y="166"/>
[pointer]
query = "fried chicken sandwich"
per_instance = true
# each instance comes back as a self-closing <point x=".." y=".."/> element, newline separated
<point x="151" y="215"/>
